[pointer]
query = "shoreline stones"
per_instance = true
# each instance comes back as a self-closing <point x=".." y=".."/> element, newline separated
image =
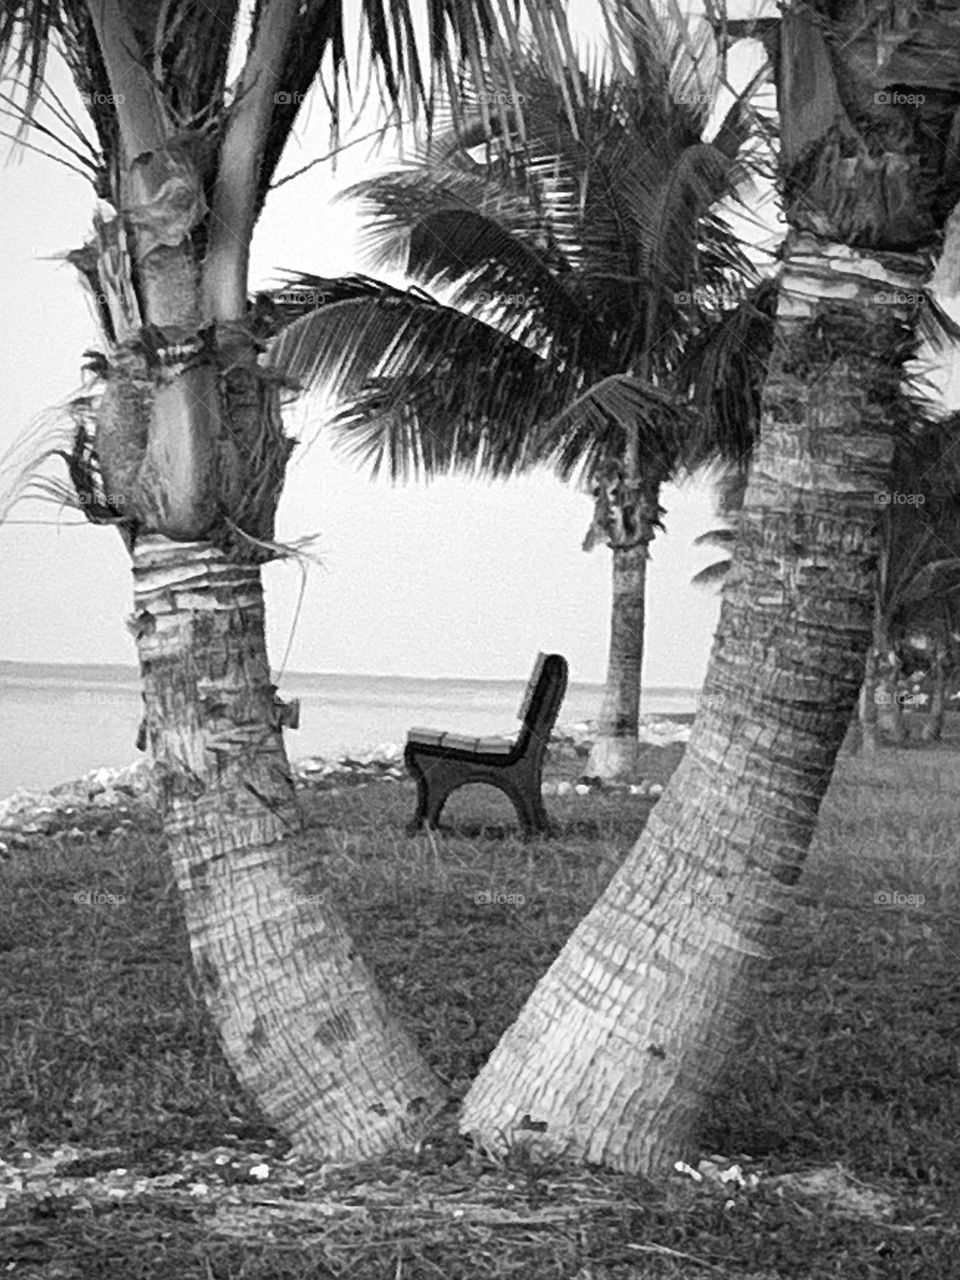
<point x="31" y="812"/>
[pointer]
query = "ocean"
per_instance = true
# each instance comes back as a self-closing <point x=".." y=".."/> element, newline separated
<point x="58" y="721"/>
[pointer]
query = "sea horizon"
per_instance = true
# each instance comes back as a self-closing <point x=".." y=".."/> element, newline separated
<point x="61" y="720"/>
<point x="9" y="667"/>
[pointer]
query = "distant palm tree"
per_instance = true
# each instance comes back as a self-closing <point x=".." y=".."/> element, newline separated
<point x="180" y="446"/>
<point x="604" y="320"/>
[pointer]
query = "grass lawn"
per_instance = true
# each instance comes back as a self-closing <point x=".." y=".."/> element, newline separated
<point x="106" y="1057"/>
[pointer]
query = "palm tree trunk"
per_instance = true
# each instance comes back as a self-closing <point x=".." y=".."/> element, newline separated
<point x="614" y="1054"/>
<point x="933" y="729"/>
<point x="898" y="731"/>
<point x="614" y="752"/>
<point x="190" y="447"/>
<point x="868" y="705"/>
<point x="302" y="1024"/>
<point x="869" y="731"/>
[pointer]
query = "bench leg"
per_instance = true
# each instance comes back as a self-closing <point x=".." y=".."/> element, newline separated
<point x="531" y="811"/>
<point x="437" y="779"/>
<point x="420" y="813"/>
<point x="432" y="795"/>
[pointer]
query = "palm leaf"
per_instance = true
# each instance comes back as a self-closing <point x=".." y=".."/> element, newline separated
<point x="490" y="246"/>
<point x="427" y="389"/>
<point x="716" y="538"/>
<point x="724" y="368"/>
<point x="582" y="438"/>
<point x="714" y="575"/>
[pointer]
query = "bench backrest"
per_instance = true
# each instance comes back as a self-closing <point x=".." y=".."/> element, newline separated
<point x="542" y="698"/>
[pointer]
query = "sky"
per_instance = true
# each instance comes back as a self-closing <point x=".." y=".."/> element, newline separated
<point x="454" y="578"/>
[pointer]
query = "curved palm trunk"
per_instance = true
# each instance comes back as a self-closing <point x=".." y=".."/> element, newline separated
<point x="190" y="455"/>
<point x="614" y="752"/>
<point x="302" y="1023"/>
<point x="616" y="1050"/>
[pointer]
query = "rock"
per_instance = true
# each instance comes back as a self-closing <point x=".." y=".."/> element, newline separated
<point x="312" y="764"/>
<point x="655" y="789"/>
<point x="582" y="789"/>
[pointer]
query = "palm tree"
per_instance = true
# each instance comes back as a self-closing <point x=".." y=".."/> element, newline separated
<point x="622" y="1041"/>
<point x="181" y="447"/>
<point x="597" y="300"/>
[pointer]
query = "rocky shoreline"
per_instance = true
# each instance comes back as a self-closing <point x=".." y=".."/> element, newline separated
<point x="27" y="813"/>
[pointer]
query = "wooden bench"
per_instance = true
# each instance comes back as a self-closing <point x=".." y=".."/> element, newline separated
<point x="441" y="762"/>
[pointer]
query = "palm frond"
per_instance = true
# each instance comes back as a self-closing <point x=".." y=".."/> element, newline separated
<point x="716" y="538"/>
<point x="489" y="245"/>
<point x="714" y="575"/>
<point x="724" y="367"/>
<point x="427" y="388"/>
<point x="563" y="256"/>
<point x="593" y="428"/>
<point x="479" y="35"/>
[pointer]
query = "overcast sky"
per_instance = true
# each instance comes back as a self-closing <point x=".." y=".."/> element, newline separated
<point x="453" y="578"/>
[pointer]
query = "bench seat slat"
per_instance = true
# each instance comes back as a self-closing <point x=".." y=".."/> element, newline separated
<point x="426" y="737"/>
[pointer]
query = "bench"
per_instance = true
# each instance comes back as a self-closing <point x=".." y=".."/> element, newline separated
<point x="441" y="762"/>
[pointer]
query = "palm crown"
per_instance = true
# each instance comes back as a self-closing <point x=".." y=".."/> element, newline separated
<point x="591" y="285"/>
<point x="599" y="319"/>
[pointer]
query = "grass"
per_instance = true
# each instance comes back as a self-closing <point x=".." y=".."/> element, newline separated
<point x="853" y="1061"/>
